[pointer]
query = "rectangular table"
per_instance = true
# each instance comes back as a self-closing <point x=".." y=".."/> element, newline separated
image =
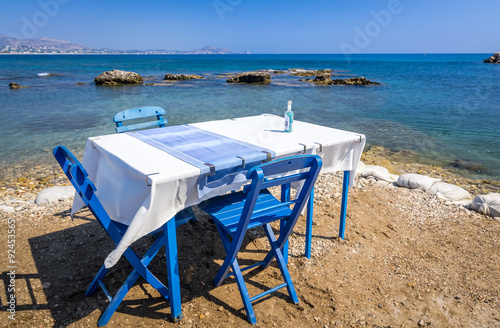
<point x="143" y="186"/>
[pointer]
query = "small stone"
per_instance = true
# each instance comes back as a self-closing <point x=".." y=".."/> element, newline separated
<point x="7" y="209"/>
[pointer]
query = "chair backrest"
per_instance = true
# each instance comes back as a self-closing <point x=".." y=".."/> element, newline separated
<point x="86" y="189"/>
<point x="278" y="173"/>
<point x="137" y="114"/>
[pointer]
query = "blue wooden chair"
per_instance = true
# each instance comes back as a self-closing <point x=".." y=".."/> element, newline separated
<point x="167" y="236"/>
<point x="255" y="206"/>
<point x="139" y="114"/>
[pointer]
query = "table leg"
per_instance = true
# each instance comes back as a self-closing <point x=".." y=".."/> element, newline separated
<point x="174" y="287"/>
<point x="343" y="207"/>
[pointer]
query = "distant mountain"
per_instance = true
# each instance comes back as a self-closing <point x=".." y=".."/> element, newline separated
<point x="52" y="46"/>
<point x="43" y="45"/>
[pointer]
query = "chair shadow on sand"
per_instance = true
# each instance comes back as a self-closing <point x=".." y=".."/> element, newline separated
<point x="67" y="260"/>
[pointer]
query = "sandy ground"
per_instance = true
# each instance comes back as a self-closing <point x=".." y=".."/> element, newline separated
<point x="409" y="259"/>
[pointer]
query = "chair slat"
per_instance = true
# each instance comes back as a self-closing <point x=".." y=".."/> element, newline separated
<point x="139" y="112"/>
<point x="132" y="127"/>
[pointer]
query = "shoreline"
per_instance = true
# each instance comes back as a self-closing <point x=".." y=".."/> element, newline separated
<point x="25" y="180"/>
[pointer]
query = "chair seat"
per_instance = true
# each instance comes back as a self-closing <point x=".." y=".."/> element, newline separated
<point x="227" y="209"/>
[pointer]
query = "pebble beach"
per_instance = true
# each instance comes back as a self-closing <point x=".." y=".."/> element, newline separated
<point x="409" y="259"/>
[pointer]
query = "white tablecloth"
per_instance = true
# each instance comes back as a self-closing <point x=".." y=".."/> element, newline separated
<point x="144" y="187"/>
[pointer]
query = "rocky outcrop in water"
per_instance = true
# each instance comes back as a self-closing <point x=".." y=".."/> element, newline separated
<point x="469" y="165"/>
<point x="176" y="77"/>
<point x="118" y="77"/>
<point x="354" y="81"/>
<point x="326" y="78"/>
<point x="495" y="59"/>
<point x="307" y="72"/>
<point x="250" y="77"/>
<point x="15" y="85"/>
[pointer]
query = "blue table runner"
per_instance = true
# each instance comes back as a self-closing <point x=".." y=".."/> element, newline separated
<point x="215" y="155"/>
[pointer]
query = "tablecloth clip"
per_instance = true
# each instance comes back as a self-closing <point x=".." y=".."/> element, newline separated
<point x="305" y="147"/>
<point x="212" y="169"/>
<point x="320" y="147"/>
<point x="92" y="142"/>
<point x="242" y="161"/>
<point x="360" y="139"/>
<point x="269" y="156"/>
<point x="147" y="176"/>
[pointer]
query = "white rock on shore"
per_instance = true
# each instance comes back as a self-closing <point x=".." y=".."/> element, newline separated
<point x="54" y="193"/>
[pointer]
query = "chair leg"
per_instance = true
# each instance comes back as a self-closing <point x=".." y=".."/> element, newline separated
<point x="167" y="238"/>
<point x="115" y="302"/>
<point x="281" y="263"/>
<point x="174" y="287"/>
<point x="95" y="283"/>
<point x="224" y="237"/>
<point x="245" y="297"/>
<point x="224" y="269"/>
<point x="309" y="223"/>
<point x="285" y="197"/>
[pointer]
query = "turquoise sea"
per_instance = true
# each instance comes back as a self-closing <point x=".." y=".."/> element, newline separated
<point x="443" y="107"/>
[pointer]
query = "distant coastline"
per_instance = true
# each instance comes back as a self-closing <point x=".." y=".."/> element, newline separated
<point x="117" y="53"/>
<point x="15" y="46"/>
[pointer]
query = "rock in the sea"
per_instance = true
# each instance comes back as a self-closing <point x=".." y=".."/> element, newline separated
<point x="118" y="77"/>
<point x="469" y="165"/>
<point x="54" y="193"/>
<point x="175" y="77"/>
<point x="250" y="77"/>
<point x="15" y="85"/>
<point x="353" y="81"/>
<point x="325" y="78"/>
<point x="309" y="72"/>
<point x="495" y="59"/>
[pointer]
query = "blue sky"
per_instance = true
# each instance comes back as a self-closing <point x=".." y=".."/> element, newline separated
<point x="258" y="26"/>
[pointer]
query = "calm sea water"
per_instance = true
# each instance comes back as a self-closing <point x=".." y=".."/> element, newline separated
<point x="444" y="107"/>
